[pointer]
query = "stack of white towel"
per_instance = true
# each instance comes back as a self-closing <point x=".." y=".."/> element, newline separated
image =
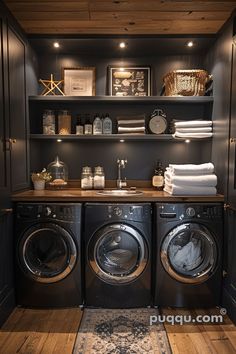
<point x="190" y="179"/>
<point x="193" y="129"/>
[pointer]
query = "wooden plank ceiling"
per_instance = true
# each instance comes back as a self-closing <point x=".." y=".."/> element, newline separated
<point x="121" y="16"/>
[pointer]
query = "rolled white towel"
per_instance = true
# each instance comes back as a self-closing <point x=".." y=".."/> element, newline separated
<point x="193" y="123"/>
<point x="130" y="129"/>
<point x="195" y="130"/>
<point x="177" y="134"/>
<point x="191" y="169"/>
<point x="201" y="180"/>
<point x="130" y="121"/>
<point x="181" y="190"/>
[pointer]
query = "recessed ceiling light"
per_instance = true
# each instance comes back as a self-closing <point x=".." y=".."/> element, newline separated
<point x="56" y="45"/>
<point x="122" y="45"/>
<point x="59" y="140"/>
<point x="122" y="141"/>
<point x="187" y="141"/>
<point x="190" y="44"/>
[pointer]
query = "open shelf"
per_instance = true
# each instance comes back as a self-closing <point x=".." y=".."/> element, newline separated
<point x="112" y="99"/>
<point x="112" y="137"/>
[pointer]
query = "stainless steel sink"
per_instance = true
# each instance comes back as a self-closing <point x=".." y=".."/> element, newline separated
<point x="120" y="192"/>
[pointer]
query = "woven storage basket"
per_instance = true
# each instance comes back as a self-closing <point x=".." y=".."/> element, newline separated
<point x="186" y="82"/>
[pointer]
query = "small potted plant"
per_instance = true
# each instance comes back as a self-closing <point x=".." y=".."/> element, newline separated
<point x="39" y="179"/>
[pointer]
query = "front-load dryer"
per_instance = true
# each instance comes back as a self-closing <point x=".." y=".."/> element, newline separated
<point x="117" y="240"/>
<point x="48" y="255"/>
<point x="189" y="242"/>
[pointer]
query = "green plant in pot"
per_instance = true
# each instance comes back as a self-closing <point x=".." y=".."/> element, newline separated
<point x="40" y="178"/>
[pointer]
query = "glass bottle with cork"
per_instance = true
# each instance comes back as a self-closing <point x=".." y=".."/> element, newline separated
<point x="158" y="178"/>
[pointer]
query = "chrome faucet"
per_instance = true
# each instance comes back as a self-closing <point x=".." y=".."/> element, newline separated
<point x="119" y="182"/>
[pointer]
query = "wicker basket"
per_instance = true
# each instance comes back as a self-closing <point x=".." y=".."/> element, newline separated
<point x="186" y="82"/>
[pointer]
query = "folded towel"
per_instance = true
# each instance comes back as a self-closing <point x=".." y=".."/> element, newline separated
<point x="202" y="180"/>
<point x="181" y="190"/>
<point x="195" y="130"/>
<point x="131" y="130"/>
<point x="191" y="169"/>
<point x="177" y="134"/>
<point x="130" y="121"/>
<point x="193" y="123"/>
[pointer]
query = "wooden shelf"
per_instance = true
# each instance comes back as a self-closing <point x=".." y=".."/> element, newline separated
<point x="112" y="137"/>
<point x="112" y="99"/>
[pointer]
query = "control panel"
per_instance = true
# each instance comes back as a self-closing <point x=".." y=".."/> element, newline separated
<point x="128" y="211"/>
<point x="65" y="212"/>
<point x="190" y="211"/>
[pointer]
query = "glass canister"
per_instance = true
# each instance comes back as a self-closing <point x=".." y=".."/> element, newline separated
<point x="99" y="178"/>
<point x="86" y="178"/>
<point x="49" y="122"/>
<point x="64" y="123"/>
<point x="59" y="173"/>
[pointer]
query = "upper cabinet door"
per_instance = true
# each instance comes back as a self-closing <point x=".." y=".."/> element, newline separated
<point x="4" y="145"/>
<point x="17" y="111"/>
<point x="232" y="147"/>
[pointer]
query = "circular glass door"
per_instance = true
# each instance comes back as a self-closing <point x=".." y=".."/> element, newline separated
<point x="189" y="253"/>
<point x="117" y="253"/>
<point x="47" y="253"/>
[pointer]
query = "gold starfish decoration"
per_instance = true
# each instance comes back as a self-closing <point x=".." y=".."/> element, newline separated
<point x="50" y="86"/>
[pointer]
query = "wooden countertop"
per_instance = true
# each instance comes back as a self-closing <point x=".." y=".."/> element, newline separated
<point x="78" y="195"/>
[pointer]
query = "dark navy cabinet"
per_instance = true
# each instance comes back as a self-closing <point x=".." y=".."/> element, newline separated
<point x="14" y="173"/>
<point x="229" y="291"/>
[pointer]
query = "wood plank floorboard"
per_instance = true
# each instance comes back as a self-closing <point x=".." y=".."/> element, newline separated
<point x="29" y="331"/>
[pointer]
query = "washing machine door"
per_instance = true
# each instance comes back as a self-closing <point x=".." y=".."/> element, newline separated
<point x="189" y="253"/>
<point x="117" y="253"/>
<point x="47" y="253"/>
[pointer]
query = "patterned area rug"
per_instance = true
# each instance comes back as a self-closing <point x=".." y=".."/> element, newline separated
<point x="128" y="331"/>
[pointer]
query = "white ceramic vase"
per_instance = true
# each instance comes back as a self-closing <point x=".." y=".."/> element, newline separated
<point x="39" y="185"/>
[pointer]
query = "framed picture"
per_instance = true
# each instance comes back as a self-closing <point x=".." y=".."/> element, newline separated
<point x="79" y="81"/>
<point x="129" y="81"/>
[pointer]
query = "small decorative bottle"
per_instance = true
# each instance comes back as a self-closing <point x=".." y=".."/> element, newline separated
<point x="97" y="125"/>
<point x="88" y="127"/>
<point x="79" y="126"/>
<point x="107" y="125"/>
<point x="158" y="178"/>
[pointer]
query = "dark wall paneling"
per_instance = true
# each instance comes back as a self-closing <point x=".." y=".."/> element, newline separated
<point x="141" y="156"/>
<point x="218" y="63"/>
<point x="160" y="65"/>
<point x="173" y="111"/>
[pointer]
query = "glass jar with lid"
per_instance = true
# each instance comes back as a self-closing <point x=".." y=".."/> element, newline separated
<point x="86" y="178"/>
<point x="64" y="122"/>
<point x="49" y="122"/>
<point x="59" y="173"/>
<point x="99" y="178"/>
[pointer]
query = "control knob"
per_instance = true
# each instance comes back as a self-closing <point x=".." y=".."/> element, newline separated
<point x="48" y="211"/>
<point x="118" y="211"/>
<point x="190" y="212"/>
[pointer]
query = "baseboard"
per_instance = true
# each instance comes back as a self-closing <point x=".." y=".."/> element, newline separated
<point x="230" y="304"/>
<point x="6" y="306"/>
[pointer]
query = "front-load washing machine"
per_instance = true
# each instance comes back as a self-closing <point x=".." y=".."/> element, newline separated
<point x="117" y="240"/>
<point x="48" y="255"/>
<point x="189" y="242"/>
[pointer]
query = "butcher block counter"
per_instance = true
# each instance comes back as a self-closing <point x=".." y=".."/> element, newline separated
<point x="78" y="195"/>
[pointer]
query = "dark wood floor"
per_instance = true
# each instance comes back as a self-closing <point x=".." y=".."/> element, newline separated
<point x="54" y="331"/>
